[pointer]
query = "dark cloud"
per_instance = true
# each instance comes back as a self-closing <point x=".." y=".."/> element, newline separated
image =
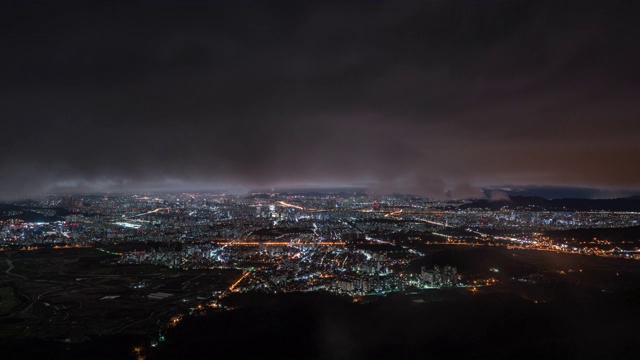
<point x="496" y="195"/>
<point x="423" y="97"/>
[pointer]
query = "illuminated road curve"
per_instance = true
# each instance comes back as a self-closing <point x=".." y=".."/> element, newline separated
<point x="8" y="271"/>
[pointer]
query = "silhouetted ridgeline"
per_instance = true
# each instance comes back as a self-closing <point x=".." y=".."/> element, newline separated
<point x="535" y="203"/>
<point x="615" y="235"/>
<point x="32" y="214"/>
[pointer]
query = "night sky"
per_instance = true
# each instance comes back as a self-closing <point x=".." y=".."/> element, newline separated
<point x="402" y="96"/>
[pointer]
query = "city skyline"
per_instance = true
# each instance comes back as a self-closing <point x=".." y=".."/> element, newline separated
<point x="139" y="272"/>
<point x="426" y="98"/>
<point x="319" y="179"/>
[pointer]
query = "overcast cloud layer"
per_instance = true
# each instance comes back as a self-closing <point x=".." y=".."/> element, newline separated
<point x="412" y="96"/>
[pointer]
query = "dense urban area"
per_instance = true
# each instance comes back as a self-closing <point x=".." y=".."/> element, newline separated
<point x="276" y="223"/>
<point x="81" y="266"/>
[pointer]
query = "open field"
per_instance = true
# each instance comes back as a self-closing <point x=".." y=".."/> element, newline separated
<point x="74" y="293"/>
<point x="8" y="300"/>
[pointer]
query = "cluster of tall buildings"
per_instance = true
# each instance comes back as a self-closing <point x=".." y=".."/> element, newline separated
<point x="391" y="282"/>
<point x="445" y="276"/>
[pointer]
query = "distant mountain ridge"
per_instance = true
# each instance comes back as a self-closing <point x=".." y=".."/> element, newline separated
<point x="563" y="192"/>
<point x="570" y="204"/>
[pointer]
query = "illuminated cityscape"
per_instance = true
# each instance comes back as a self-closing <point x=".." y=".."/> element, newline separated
<point x="326" y="180"/>
<point x="219" y="230"/>
<point x="343" y="243"/>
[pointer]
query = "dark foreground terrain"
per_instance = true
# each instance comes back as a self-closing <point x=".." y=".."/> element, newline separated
<point x="486" y="326"/>
<point x="298" y="326"/>
<point x="541" y="305"/>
